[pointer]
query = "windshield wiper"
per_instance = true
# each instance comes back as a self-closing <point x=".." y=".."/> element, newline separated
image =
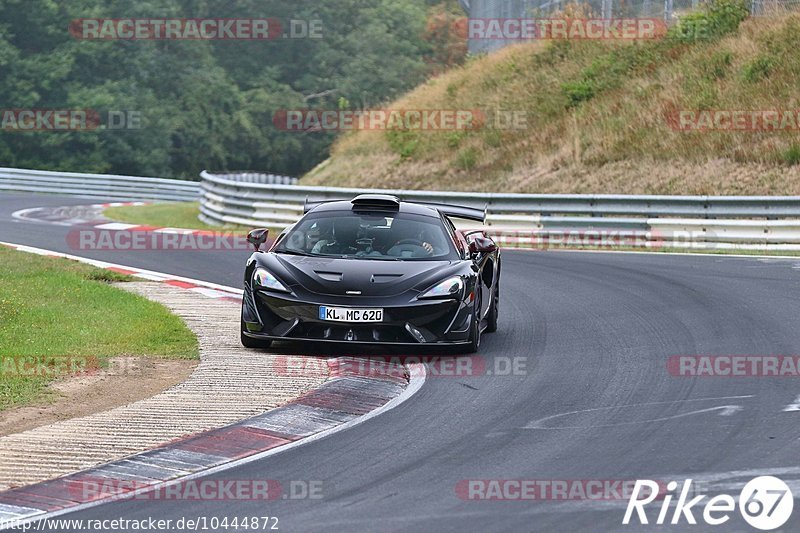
<point x="297" y="252"/>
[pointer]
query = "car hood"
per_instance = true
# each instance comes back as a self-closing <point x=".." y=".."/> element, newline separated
<point x="339" y="277"/>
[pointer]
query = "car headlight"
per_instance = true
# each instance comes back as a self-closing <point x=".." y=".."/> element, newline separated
<point x="449" y="288"/>
<point x="263" y="279"/>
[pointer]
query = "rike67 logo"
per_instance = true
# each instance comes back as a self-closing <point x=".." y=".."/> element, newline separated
<point x="765" y="503"/>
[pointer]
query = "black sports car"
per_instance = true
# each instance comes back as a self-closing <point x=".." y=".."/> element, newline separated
<point x="373" y="270"/>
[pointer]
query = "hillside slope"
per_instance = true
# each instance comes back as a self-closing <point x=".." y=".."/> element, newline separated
<point x="600" y="119"/>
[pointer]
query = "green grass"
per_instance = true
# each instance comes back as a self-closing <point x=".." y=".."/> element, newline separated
<point x="166" y="215"/>
<point x="59" y="308"/>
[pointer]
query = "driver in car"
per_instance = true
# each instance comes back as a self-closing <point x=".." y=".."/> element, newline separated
<point x="343" y="238"/>
<point x="318" y="232"/>
<point x="407" y="237"/>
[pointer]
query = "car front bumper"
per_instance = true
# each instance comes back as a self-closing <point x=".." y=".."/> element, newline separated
<point x="272" y="316"/>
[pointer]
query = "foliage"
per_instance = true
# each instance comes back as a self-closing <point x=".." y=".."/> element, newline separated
<point x="204" y="104"/>
<point x="716" y="19"/>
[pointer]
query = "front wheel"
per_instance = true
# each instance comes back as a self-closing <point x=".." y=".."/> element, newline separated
<point x="475" y="334"/>
<point x="491" y="318"/>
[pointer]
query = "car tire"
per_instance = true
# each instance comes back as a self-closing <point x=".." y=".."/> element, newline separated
<point x="475" y="333"/>
<point x="249" y="342"/>
<point x="491" y="318"/>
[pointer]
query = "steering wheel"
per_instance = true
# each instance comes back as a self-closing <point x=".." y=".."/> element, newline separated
<point x="415" y="242"/>
<point x="412" y="246"/>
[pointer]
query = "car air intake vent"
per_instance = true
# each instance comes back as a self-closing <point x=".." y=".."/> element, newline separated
<point x="385" y="278"/>
<point x="376" y="202"/>
<point x="329" y="276"/>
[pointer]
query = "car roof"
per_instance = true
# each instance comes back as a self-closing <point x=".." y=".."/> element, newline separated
<point x="405" y="207"/>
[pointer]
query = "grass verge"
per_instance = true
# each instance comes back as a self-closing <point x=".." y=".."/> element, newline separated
<point x="166" y="215"/>
<point x="56" y="308"/>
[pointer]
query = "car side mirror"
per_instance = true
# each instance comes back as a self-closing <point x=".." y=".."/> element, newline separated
<point x="258" y="237"/>
<point x="482" y="245"/>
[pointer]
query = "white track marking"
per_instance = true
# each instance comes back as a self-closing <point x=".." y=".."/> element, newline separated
<point x="793" y="406"/>
<point x="210" y="293"/>
<point x="22" y="214"/>
<point x="118" y="226"/>
<point x="726" y="410"/>
<point x="178" y="231"/>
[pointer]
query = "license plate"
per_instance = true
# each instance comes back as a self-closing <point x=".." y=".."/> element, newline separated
<point x="342" y="314"/>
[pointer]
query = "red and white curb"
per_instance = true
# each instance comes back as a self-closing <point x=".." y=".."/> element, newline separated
<point x="338" y="404"/>
<point x="345" y="400"/>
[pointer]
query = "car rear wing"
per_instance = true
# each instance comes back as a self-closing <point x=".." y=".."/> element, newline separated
<point x="458" y="211"/>
<point x="309" y="205"/>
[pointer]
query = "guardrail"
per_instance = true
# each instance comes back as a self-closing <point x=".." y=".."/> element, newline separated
<point x="98" y="185"/>
<point x="735" y="222"/>
<point x="524" y="220"/>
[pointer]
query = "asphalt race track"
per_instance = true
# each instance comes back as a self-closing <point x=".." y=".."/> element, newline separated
<point x="596" y="330"/>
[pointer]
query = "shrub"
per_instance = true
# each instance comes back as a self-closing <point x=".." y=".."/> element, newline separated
<point x="757" y="69"/>
<point x="716" y="19"/>
<point x="791" y="156"/>
<point x="467" y="159"/>
<point x="403" y="142"/>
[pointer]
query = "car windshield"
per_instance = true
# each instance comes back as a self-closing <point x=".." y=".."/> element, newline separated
<point x="380" y="236"/>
